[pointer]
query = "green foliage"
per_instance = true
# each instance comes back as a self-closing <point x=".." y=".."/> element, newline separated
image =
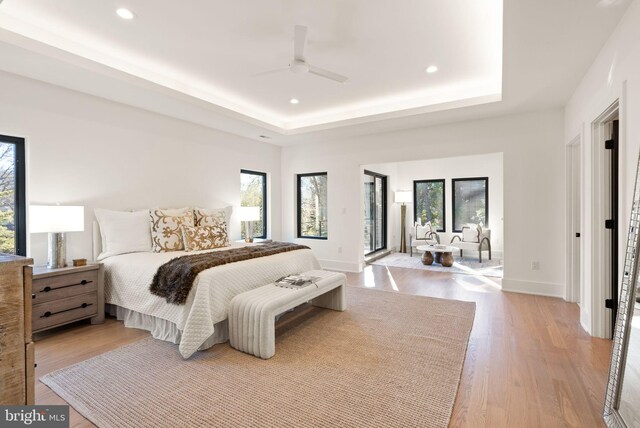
<point x="251" y="186"/>
<point x="429" y="203"/>
<point x="313" y="209"/>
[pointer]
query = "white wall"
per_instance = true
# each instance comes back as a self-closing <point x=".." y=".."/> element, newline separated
<point x="533" y="188"/>
<point x="614" y="75"/>
<point x="488" y="165"/>
<point x="84" y="150"/>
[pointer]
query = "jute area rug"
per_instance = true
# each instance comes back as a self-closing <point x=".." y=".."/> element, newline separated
<point x="461" y="265"/>
<point x="390" y="360"/>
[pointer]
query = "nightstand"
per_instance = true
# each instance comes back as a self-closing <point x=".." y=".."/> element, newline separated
<point x="62" y="296"/>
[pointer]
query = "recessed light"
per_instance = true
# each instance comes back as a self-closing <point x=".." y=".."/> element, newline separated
<point x="431" y="69"/>
<point x="294" y="101"/>
<point x="125" y="13"/>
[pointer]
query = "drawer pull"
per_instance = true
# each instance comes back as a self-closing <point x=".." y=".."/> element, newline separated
<point x="47" y="288"/>
<point x="82" y="306"/>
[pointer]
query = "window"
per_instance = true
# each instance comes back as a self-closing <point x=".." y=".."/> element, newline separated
<point x="312" y="205"/>
<point x="470" y="202"/>
<point x="13" y="231"/>
<point x="253" y="193"/>
<point x="428" y="203"/>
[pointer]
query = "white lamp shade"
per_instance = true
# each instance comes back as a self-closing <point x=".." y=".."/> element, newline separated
<point x="403" y="196"/>
<point x="56" y="218"/>
<point x="249" y="213"/>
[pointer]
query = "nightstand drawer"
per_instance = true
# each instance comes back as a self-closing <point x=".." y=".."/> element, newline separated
<point x="63" y="286"/>
<point x="64" y="310"/>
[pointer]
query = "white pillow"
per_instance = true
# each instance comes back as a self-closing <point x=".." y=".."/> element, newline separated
<point x="470" y="234"/>
<point x="123" y="232"/>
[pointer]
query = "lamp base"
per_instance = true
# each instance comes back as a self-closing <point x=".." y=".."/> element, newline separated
<point x="248" y="232"/>
<point x="57" y="254"/>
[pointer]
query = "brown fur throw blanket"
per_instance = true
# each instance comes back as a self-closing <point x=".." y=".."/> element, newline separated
<point x="174" y="279"/>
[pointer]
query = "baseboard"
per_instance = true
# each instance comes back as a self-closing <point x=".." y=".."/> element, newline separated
<point x="532" y="287"/>
<point x="341" y="266"/>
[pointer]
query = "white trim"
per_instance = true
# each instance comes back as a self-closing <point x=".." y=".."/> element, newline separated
<point x="573" y="218"/>
<point x="341" y="266"/>
<point x="532" y="287"/>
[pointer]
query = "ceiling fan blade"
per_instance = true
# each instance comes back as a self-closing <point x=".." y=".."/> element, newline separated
<point x="268" y="72"/>
<point x="299" y="42"/>
<point x="327" y="74"/>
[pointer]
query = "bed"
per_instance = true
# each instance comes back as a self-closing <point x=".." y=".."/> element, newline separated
<point x="202" y="321"/>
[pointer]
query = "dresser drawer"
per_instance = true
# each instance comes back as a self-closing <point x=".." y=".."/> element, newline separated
<point x="65" y="310"/>
<point x="63" y="286"/>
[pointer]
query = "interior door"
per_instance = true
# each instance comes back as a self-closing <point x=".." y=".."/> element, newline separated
<point x="375" y="212"/>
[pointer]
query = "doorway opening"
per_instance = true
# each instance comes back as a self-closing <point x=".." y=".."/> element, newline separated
<point x="375" y="212"/>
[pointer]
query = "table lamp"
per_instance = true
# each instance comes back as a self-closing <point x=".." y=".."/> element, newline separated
<point x="403" y="197"/>
<point x="248" y="215"/>
<point x="56" y="220"/>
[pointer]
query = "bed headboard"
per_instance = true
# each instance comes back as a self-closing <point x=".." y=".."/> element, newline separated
<point x="97" y="240"/>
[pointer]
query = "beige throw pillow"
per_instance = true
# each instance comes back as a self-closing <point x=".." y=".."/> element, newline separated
<point x="204" y="237"/>
<point x="166" y="232"/>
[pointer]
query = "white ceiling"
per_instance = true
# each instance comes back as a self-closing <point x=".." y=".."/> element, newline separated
<point x="195" y="60"/>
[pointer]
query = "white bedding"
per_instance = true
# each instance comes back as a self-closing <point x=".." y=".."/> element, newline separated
<point x="128" y="277"/>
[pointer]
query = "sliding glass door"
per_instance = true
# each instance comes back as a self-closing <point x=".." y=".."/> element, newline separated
<point x="375" y="212"/>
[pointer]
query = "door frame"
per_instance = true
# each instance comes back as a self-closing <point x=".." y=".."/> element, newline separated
<point x="384" y="210"/>
<point x="574" y="206"/>
<point x="600" y="249"/>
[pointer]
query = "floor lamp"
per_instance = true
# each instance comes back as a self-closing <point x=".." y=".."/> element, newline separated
<point x="403" y="197"/>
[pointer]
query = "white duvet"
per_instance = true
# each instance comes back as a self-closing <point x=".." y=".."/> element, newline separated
<point x="128" y="277"/>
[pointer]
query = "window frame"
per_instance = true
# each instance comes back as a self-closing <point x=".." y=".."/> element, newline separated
<point x="299" y="205"/>
<point x="444" y="200"/>
<point x="453" y="200"/>
<point x="20" y="193"/>
<point x="264" y="199"/>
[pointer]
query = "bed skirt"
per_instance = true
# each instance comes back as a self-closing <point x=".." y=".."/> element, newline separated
<point x="165" y="330"/>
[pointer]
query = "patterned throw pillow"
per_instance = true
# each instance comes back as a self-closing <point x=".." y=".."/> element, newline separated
<point x="216" y="219"/>
<point x="204" y="238"/>
<point x="166" y="234"/>
<point x="206" y="217"/>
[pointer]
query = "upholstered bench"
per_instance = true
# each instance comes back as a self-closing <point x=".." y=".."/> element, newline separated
<point x="252" y="314"/>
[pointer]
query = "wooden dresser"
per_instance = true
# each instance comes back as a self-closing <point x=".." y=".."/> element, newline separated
<point x="16" y="348"/>
<point x="65" y="295"/>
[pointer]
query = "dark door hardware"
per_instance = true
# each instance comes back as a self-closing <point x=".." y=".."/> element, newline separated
<point x="47" y="288"/>
<point x="577" y="234"/>
<point x="82" y="306"/>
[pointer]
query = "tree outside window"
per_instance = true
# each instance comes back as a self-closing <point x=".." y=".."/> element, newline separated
<point x="470" y="202"/>
<point x="312" y="206"/>
<point x="12" y="200"/>
<point x="428" y="203"/>
<point x="253" y="193"/>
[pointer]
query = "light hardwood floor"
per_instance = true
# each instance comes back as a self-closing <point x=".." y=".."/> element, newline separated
<point x="528" y="364"/>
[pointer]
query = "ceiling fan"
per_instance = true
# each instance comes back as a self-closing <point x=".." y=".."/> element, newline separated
<point x="299" y="64"/>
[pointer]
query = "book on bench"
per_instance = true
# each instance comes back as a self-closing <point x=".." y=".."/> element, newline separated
<point x="296" y="281"/>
